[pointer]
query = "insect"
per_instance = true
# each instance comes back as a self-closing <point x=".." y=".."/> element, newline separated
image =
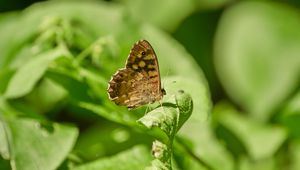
<point x="139" y="82"/>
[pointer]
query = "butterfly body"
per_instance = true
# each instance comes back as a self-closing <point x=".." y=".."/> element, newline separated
<point x="139" y="82"/>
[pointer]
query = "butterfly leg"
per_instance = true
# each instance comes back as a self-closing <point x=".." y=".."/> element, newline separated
<point x="147" y="108"/>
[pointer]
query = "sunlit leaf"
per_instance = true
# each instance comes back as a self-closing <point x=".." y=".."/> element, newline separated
<point x="54" y="139"/>
<point x="26" y="77"/>
<point x="139" y="158"/>
<point x="260" y="140"/>
<point x="290" y="116"/>
<point x="257" y="55"/>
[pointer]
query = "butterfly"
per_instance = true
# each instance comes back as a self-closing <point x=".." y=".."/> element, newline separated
<point x="139" y="82"/>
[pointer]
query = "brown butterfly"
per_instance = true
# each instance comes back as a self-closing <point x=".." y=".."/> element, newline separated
<point x="139" y="82"/>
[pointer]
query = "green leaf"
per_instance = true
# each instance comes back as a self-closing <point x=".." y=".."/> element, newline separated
<point x="185" y="160"/>
<point x="15" y="39"/>
<point x="246" y="163"/>
<point x="196" y="34"/>
<point x="200" y="142"/>
<point x="134" y="158"/>
<point x="98" y="140"/>
<point x="46" y="96"/>
<point x="167" y="15"/>
<point x="169" y="118"/>
<point x="290" y="116"/>
<point x="4" y="145"/>
<point x="120" y="116"/>
<point x="8" y="26"/>
<point x="26" y="77"/>
<point x="201" y="97"/>
<point x="157" y="165"/>
<point x="260" y="140"/>
<point x="257" y="55"/>
<point x="4" y="164"/>
<point x="177" y="108"/>
<point x="211" y="5"/>
<point x="295" y="154"/>
<point x="15" y="108"/>
<point x="5" y="76"/>
<point x="35" y="145"/>
<point x="77" y="89"/>
<point x="173" y="58"/>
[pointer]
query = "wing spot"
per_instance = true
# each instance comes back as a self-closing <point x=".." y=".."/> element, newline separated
<point x="151" y="66"/>
<point x="134" y="66"/>
<point x="148" y="57"/>
<point x="152" y="73"/>
<point x="142" y="64"/>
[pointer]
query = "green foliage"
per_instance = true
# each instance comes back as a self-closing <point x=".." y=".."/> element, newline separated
<point x="169" y="120"/>
<point x="120" y="161"/>
<point x="27" y="141"/>
<point x="30" y="73"/>
<point x="57" y="58"/>
<point x="259" y="52"/>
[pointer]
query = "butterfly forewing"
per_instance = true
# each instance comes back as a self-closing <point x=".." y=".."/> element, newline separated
<point x="139" y="82"/>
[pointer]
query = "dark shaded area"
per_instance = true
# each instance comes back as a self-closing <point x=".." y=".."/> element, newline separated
<point x="232" y="142"/>
<point x="11" y="5"/>
<point x="196" y="33"/>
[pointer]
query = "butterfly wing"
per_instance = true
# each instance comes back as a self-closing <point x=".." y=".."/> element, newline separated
<point x="139" y="83"/>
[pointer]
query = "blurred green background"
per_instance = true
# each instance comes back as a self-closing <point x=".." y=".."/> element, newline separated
<point x="239" y="60"/>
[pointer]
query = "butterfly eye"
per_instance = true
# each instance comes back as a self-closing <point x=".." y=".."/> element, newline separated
<point x="143" y="53"/>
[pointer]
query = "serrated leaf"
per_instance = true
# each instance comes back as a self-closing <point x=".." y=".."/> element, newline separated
<point x="202" y="142"/>
<point x="165" y="118"/>
<point x="170" y="118"/>
<point x="52" y="143"/>
<point x="157" y="165"/>
<point x="25" y="78"/>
